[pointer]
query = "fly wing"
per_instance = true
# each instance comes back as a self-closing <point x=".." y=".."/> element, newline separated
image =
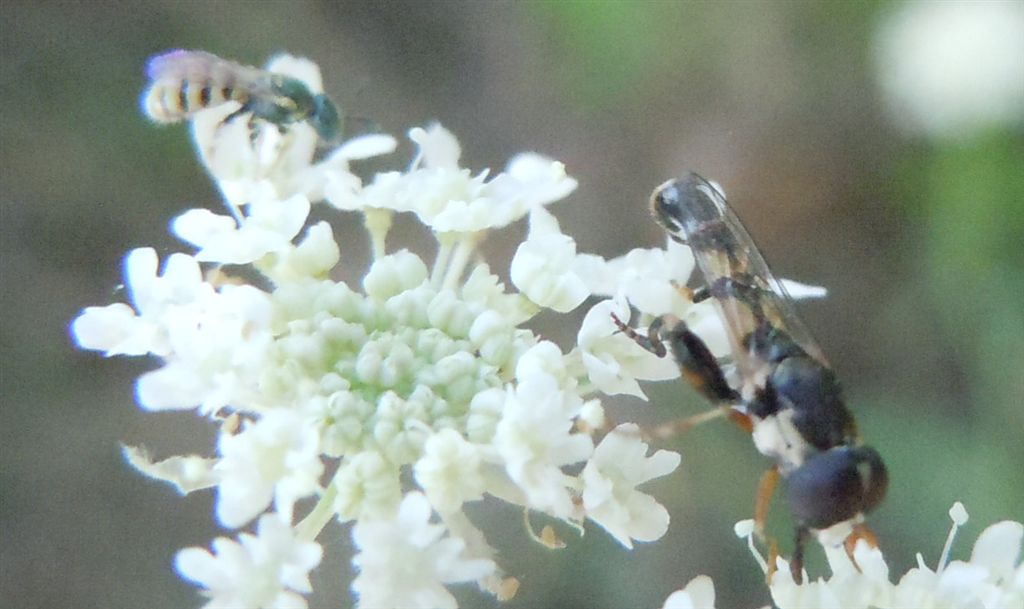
<point x="748" y="296"/>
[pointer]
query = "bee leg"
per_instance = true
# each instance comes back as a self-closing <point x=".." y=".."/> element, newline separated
<point x="254" y="132"/>
<point x="796" y="566"/>
<point x="241" y="110"/>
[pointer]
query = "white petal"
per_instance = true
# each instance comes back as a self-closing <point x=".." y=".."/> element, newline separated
<point x="108" y="329"/>
<point x="186" y="473"/>
<point x="200" y="226"/>
<point x="364" y="147"/>
<point x="438" y="147"/>
<point x="795" y="289"/>
<point x="698" y="594"/>
<point x="172" y="387"/>
<point x="999" y="548"/>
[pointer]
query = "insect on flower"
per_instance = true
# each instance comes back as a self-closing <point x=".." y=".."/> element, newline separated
<point x="183" y="83"/>
<point x="776" y="384"/>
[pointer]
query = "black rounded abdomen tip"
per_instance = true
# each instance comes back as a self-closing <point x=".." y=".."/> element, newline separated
<point x="836" y="485"/>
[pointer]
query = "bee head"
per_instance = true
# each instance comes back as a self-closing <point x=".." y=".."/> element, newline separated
<point x="325" y="119"/>
<point x="836" y="485"/>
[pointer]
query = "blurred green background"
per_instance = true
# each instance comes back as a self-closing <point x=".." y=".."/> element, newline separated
<point x="917" y="236"/>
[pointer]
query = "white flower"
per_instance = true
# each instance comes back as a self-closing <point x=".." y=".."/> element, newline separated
<point x="953" y="68"/>
<point x="649" y="278"/>
<point x="619" y="464"/>
<point x="418" y="382"/>
<point x="542" y="267"/>
<point x="366" y="485"/>
<point x="449" y="471"/>
<point x="698" y="594"/>
<point x="275" y="458"/>
<point x="534" y="439"/>
<point x="268" y="569"/>
<point x="994" y="577"/>
<point x="405" y="561"/>
<point x="614" y="361"/>
<point x="449" y="199"/>
<point x="269" y="226"/>
<point x="119" y="330"/>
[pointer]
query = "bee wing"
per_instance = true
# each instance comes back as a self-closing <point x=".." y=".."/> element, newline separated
<point x="201" y="66"/>
<point x="748" y="296"/>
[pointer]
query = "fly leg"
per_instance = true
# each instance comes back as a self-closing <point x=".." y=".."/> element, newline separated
<point x="762" y="502"/>
<point x="860" y="531"/>
<point x="697" y="365"/>
<point x="796" y="566"/>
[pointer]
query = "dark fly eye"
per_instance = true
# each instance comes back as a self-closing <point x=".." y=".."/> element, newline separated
<point x="683" y="204"/>
<point x="836" y="485"/>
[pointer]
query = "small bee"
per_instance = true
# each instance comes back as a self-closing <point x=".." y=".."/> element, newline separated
<point x="183" y="83"/>
<point x="779" y="387"/>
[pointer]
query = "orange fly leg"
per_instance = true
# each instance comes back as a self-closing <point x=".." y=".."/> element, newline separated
<point x="743" y="420"/>
<point x="773" y="555"/>
<point x="860" y="531"/>
<point x="763" y="501"/>
<point x="765" y="490"/>
<point x="679" y="426"/>
<point x="796" y="565"/>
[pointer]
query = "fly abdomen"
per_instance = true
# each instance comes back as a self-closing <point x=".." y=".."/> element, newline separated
<point x="171" y="101"/>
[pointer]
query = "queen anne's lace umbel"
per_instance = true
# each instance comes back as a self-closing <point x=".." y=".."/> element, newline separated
<point x="390" y="404"/>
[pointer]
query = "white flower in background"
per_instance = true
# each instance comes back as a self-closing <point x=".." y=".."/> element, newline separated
<point x="396" y="402"/>
<point x="994" y="576"/>
<point x="269" y="569"/>
<point x="698" y="594"/>
<point x="953" y="68"/>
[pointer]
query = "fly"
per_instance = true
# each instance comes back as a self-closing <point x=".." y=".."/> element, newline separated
<point x="781" y="387"/>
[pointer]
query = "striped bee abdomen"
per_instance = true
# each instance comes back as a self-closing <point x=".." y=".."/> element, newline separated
<point x="174" y="100"/>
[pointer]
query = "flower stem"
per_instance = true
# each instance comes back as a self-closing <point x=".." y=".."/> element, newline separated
<point x="378" y="223"/>
<point x="446" y="243"/>
<point x="317" y="519"/>
<point x="463" y="249"/>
